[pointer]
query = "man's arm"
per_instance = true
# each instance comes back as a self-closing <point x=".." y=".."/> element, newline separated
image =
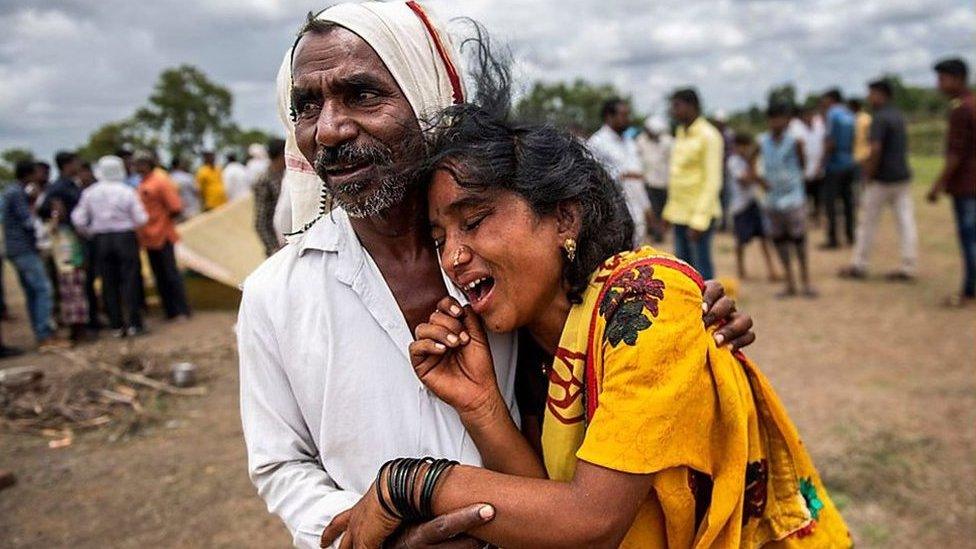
<point x="959" y="140"/>
<point x="282" y="458"/>
<point x="80" y="216"/>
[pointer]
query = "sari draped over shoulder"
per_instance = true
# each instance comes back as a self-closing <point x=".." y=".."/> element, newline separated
<point x="638" y="385"/>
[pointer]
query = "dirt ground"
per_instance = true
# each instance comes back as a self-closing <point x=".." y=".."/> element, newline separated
<point x="878" y="377"/>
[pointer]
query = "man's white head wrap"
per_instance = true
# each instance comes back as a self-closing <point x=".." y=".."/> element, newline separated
<point x="417" y="51"/>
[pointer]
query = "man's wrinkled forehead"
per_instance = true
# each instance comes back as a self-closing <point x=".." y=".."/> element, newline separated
<point x="337" y="47"/>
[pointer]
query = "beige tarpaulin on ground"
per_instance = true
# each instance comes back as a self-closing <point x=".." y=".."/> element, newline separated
<point x="222" y="243"/>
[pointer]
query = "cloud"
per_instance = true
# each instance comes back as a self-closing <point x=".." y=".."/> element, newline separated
<point x="69" y="66"/>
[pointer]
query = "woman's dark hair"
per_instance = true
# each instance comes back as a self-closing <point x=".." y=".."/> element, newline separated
<point x="485" y="150"/>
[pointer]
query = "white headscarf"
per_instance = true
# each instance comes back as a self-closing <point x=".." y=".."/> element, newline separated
<point x="416" y="50"/>
<point x="110" y="168"/>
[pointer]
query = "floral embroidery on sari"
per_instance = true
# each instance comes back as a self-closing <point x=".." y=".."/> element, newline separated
<point x="624" y="303"/>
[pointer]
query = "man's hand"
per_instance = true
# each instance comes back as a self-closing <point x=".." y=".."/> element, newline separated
<point x="934" y="192"/>
<point x="446" y="531"/>
<point x="735" y="328"/>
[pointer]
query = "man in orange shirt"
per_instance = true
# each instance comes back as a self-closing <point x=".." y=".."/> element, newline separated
<point x="162" y="203"/>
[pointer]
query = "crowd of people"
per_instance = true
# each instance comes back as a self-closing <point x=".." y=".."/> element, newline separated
<point x="76" y="244"/>
<point x="835" y="165"/>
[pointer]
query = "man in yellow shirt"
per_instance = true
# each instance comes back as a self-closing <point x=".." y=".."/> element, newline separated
<point x="210" y="183"/>
<point x="696" y="182"/>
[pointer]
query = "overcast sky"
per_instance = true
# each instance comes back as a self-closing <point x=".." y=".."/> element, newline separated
<point x="68" y="66"/>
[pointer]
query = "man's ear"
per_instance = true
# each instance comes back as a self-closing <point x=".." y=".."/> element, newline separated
<point x="569" y="219"/>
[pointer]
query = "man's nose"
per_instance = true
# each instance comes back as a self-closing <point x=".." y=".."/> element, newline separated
<point x="334" y="125"/>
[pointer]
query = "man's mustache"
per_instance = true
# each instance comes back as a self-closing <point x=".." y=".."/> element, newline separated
<point x="350" y="154"/>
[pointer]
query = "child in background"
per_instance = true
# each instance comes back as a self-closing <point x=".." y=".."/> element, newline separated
<point x="782" y="163"/>
<point x="747" y="219"/>
<point x="69" y="260"/>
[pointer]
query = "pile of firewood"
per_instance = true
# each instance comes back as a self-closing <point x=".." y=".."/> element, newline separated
<point x="85" y="393"/>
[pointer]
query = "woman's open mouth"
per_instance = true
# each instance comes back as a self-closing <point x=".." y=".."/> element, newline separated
<point x="478" y="291"/>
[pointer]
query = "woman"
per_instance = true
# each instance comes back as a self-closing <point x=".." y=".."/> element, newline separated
<point x="653" y="435"/>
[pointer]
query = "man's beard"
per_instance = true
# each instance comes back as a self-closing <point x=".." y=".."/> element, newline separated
<point x="391" y="184"/>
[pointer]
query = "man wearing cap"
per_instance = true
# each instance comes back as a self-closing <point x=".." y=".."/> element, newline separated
<point x="327" y="390"/>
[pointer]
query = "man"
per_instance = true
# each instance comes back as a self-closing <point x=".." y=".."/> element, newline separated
<point x="131" y="177"/>
<point x="109" y="213"/>
<point x="210" y="183"/>
<point x="327" y="390"/>
<point x="65" y="188"/>
<point x="958" y="177"/>
<point x="888" y="184"/>
<point x="20" y="238"/>
<point x="619" y="155"/>
<point x="654" y="147"/>
<point x="234" y="175"/>
<point x="162" y="204"/>
<point x="839" y="167"/>
<point x="267" y="190"/>
<point x="696" y="182"/>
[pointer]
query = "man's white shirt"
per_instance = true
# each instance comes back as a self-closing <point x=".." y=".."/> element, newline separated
<point x="327" y="390"/>
<point x="619" y="155"/>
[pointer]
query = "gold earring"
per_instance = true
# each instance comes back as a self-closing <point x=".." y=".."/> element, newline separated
<point x="570" y="246"/>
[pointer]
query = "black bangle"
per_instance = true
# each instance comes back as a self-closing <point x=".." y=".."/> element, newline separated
<point x="379" y="491"/>
<point x="411" y="489"/>
<point x="397" y="486"/>
<point x="433" y="475"/>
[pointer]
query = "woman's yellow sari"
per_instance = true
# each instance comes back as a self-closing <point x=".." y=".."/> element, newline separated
<point x="639" y="386"/>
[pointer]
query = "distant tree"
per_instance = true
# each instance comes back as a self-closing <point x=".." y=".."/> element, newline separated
<point x="576" y="106"/>
<point x="186" y="109"/>
<point x="113" y="136"/>
<point x="784" y="94"/>
<point x="10" y="157"/>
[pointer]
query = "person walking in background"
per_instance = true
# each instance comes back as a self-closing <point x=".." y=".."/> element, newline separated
<point x="267" y="190"/>
<point x="958" y="177"/>
<point x="618" y="154"/>
<point x="695" y="182"/>
<point x="839" y="167"/>
<point x="654" y="147"/>
<point x="162" y="204"/>
<point x="109" y="213"/>
<point x="888" y="184"/>
<point x="747" y="217"/>
<point x="131" y="177"/>
<point x="20" y="237"/>
<point x="782" y="163"/>
<point x="210" y="183"/>
<point x="186" y="186"/>
<point x="234" y="175"/>
<point x="68" y="254"/>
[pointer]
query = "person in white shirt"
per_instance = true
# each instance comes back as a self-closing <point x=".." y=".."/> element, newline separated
<point x="328" y="392"/>
<point x="257" y="163"/>
<point x="654" y="147"/>
<point x="808" y="128"/>
<point x="109" y="212"/>
<point x="618" y="154"/>
<point x="235" y="178"/>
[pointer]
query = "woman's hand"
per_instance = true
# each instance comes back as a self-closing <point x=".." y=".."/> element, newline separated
<point x="452" y="359"/>
<point x="735" y="327"/>
<point x="366" y="524"/>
